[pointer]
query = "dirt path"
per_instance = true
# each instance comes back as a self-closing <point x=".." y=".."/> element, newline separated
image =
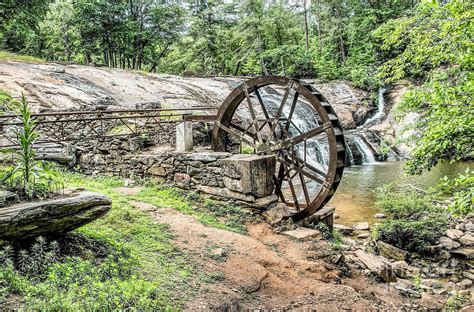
<point x="267" y="270"/>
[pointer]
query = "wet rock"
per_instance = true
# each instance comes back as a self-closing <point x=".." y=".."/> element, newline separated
<point x="463" y="253"/>
<point x="277" y="214"/>
<point x="392" y="252"/>
<point x="361" y="226"/>
<point x="377" y="265"/>
<point x="467" y="240"/>
<point x="303" y="234"/>
<point x="380" y="215"/>
<point x="454" y="234"/>
<point x="345" y="230"/>
<point x="448" y="243"/>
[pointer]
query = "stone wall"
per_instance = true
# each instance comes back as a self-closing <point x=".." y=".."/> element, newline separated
<point x="243" y="179"/>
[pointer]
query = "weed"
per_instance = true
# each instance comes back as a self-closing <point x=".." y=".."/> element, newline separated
<point x="8" y="57"/>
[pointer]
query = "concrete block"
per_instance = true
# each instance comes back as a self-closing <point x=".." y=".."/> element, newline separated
<point x="184" y="136"/>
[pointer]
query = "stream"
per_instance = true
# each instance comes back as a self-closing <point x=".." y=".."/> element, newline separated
<point x="355" y="197"/>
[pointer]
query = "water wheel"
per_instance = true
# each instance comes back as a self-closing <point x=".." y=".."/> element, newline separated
<point x="290" y="119"/>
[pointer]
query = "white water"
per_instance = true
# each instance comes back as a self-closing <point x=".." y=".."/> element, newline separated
<point x="375" y="119"/>
<point x="364" y="150"/>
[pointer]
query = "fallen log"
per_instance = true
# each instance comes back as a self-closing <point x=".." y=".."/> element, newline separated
<point x="52" y="217"/>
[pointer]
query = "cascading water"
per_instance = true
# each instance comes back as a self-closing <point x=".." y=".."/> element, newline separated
<point x="380" y="107"/>
<point x="363" y="148"/>
<point x="303" y="120"/>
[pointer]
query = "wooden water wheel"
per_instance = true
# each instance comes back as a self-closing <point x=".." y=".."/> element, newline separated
<point x="290" y="119"/>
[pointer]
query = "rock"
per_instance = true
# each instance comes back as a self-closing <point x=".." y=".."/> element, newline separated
<point x="343" y="229"/>
<point x="377" y="265"/>
<point x="463" y="253"/>
<point x="256" y="172"/>
<point x="277" y="214"/>
<point x="467" y="240"/>
<point x="464" y="284"/>
<point x="454" y="234"/>
<point x="392" y="252"/>
<point x="336" y="216"/>
<point x="52" y="217"/>
<point x="404" y="270"/>
<point x="380" y="216"/>
<point x="448" y="243"/>
<point x="468" y="275"/>
<point x="182" y="180"/>
<point x="226" y="193"/>
<point x="157" y="170"/>
<point x="361" y="226"/>
<point x="265" y="202"/>
<point x="363" y="235"/>
<point x="303" y="234"/>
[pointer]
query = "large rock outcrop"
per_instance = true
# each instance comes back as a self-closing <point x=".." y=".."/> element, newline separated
<point x="52" y="217"/>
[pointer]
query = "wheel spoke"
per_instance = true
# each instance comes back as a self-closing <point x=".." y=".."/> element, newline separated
<point x="236" y="134"/>
<point x="300" y="170"/>
<point x="292" y="110"/>
<point x="252" y="113"/>
<point x="302" y="137"/>
<point x="280" y="109"/>
<point x="299" y="161"/>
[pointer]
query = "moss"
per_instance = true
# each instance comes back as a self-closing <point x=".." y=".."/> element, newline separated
<point x="9" y="57"/>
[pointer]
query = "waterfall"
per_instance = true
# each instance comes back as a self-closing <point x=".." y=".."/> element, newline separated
<point x="380" y="107"/>
<point x="364" y="150"/>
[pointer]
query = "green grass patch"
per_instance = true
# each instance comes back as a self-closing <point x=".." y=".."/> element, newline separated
<point x="9" y="57"/>
<point x="414" y="222"/>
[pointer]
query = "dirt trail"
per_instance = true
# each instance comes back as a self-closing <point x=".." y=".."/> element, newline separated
<point x="268" y="270"/>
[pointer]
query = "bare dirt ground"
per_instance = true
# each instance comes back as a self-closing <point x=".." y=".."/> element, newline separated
<point x="269" y="271"/>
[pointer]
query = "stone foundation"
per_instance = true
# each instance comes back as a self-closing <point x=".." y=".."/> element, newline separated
<point x="242" y="179"/>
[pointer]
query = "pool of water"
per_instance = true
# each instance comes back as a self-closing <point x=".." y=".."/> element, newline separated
<point x="355" y="197"/>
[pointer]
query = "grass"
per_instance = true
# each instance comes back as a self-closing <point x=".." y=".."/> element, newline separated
<point x="141" y="268"/>
<point x="9" y="57"/>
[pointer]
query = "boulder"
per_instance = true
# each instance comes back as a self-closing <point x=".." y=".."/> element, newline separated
<point x="454" y="234"/>
<point x="377" y="265"/>
<point x="467" y="240"/>
<point x="448" y="243"/>
<point x="277" y="214"/>
<point x="303" y="234"/>
<point x="52" y="217"/>
<point x="392" y="252"/>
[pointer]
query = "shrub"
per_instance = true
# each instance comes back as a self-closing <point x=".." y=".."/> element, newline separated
<point x="462" y="190"/>
<point x="414" y="223"/>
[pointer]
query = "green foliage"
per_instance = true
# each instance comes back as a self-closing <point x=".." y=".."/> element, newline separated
<point x="414" y="221"/>
<point x="30" y="178"/>
<point x="462" y="190"/>
<point x="435" y="47"/>
<point x="124" y="260"/>
<point x="211" y="37"/>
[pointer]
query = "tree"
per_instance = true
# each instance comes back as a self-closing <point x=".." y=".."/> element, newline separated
<point x="434" y="47"/>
